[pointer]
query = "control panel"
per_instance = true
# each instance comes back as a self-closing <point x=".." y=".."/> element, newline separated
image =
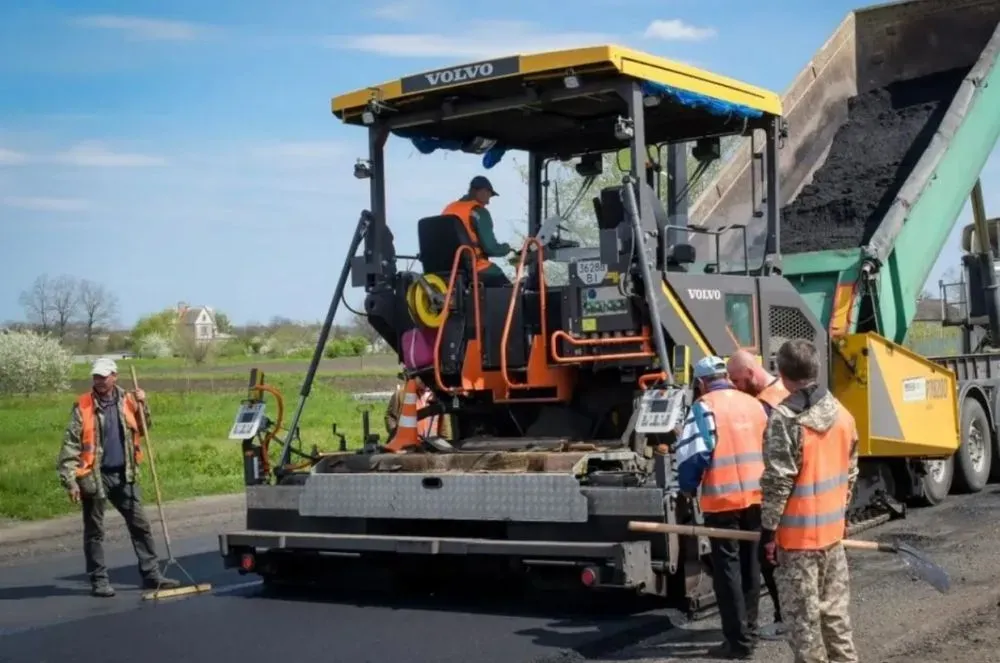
<point x="661" y="410"/>
<point x="602" y="301"/>
<point x="248" y="421"/>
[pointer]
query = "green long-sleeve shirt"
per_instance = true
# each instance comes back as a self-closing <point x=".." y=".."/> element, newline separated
<point x="482" y="220"/>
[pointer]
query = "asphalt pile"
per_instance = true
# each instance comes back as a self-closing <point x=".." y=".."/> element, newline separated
<point x="872" y="154"/>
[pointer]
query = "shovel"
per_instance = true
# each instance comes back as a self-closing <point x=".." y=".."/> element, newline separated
<point x="915" y="560"/>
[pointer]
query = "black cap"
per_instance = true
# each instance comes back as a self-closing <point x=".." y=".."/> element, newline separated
<point x="480" y="182"/>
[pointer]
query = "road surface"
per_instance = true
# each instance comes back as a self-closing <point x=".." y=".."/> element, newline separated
<point x="46" y="614"/>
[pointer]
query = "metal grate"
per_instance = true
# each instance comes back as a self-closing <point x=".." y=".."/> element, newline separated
<point x="785" y="323"/>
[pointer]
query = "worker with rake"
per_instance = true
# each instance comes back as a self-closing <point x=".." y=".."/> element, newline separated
<point x="810" y="465"/>
<point x="98" y="463"/>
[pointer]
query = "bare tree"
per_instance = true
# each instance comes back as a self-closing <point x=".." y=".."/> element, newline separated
<point x="37" y="303"/>
<point x="65" y="304"/>
<point x="99" y="307"/>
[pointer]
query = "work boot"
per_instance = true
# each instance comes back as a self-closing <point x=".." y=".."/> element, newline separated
<point x="102" y="589"/>
<point x="160" y="582"/>
<point x="729" y="651"/>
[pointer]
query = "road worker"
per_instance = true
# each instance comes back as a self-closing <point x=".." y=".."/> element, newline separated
<point x="471" y="209"/>
<point x="98" y="463"/>
<point x="748" y="374"/>
<point x="810" y="466"/>
<point x="720" y="452"/>
<point x="433" y="426"/>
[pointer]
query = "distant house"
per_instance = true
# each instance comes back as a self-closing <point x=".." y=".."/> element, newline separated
<point x="199" y="322"/>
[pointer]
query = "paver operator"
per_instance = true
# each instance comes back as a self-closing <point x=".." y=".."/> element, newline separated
<point x="747" y="373"/>
<point x="810" y="465"/>
<point x="471" y="209"/>
<point x="720" y="452"/>
<point x="98" y="463"/>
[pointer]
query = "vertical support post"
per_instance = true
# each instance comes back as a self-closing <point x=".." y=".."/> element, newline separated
<point x="677" y="182"/>
<point x="377" y="136"/>
<point x="535" y="175"/>
<point x="637" y="111"/>
<point x="772" y="247"/>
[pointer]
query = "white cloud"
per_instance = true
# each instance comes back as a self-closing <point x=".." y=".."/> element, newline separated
<point x="11" y="158"/>
<point x="397" y="11"/>
<point x="292" y="153"/>
<point x="481" y="39"/>
<point x="677" y="30"/>
<point x="44" y="204"/>
<point x="143" y="29"/>
<point x="94" y="154"/>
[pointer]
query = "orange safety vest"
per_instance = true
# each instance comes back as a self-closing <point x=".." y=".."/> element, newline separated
<point x="773" y="393"/>
<point x="732" y="480"/>
<point x="463" y="210"/>
<point x="814" y="517"/>
<point x="88" y="435"/>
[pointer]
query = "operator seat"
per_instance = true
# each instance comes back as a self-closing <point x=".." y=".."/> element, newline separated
<point x="439" y="238"/>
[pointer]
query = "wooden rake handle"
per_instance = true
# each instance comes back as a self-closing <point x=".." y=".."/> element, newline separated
<point x="740" y="535"/>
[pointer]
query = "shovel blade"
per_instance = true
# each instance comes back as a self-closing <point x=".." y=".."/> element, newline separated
<point x="924" y="568"/>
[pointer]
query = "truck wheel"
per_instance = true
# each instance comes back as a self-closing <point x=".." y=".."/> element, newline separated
<point x="937" y="482"/>
<point x="974" y="455"/>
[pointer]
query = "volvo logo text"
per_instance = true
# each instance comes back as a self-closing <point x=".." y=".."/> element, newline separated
<point x="460" y="74"/>
<point x="703" y="293"/>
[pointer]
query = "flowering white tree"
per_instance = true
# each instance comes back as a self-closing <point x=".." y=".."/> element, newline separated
<point x="31" y="363"/>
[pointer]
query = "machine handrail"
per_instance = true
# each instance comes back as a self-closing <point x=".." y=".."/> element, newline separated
<point x="513" y="301"/>
<point x="447" y="307"/>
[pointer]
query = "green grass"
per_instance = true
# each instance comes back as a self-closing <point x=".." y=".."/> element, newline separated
<point x="193" y="455"/>
<point x="240" y="365"/>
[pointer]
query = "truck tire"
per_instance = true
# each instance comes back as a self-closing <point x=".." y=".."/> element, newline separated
<point x="937" y="482"/>
<point x="973" y="458"/>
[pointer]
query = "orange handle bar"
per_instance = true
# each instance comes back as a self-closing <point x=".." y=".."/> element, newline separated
<point x="513" y="302"/>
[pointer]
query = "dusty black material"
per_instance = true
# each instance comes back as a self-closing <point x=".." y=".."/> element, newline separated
<point x="872" y="154"/>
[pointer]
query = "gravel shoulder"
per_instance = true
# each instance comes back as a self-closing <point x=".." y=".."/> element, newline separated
<point x="23" y="542"/>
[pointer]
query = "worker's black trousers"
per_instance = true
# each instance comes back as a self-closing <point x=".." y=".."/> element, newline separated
<point x="736" y="576"/>
<point x="126" y="499"/>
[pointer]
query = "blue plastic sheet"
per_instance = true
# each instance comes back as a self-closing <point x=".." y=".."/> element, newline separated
<point x="695" y="100"/>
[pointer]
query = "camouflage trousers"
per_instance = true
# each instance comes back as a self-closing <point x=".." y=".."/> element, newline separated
<point x="814" y="587"/>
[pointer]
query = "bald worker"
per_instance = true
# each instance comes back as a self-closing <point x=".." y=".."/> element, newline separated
<point x="748" y="375"/>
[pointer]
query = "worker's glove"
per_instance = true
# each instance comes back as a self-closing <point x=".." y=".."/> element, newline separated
<point x="767" y="549"/>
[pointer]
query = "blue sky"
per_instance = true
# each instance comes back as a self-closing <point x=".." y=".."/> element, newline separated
<point x="184" y="150"/>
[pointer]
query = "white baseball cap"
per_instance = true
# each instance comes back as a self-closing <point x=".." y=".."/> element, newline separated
<point x="710" y="367"/>
<point x="104" y="366"/>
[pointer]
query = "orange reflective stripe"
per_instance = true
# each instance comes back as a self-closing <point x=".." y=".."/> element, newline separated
<point x="773" y="393"/>
<point x="88" y="434"/>
<point x="463" y="210"/>
<point x="815" y="515"/>
<point x="132" y="423"/>
<point x="732" y="480"/>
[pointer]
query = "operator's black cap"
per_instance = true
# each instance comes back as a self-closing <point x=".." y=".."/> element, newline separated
<point x="480" y="182"/>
